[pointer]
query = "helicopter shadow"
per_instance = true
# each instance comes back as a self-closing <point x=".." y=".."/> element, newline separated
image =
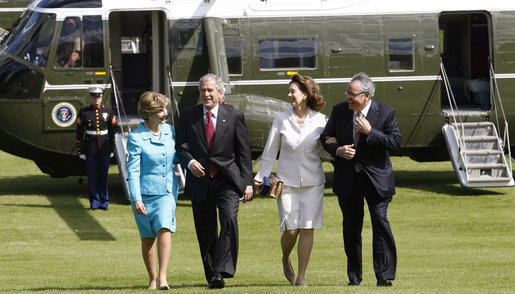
<point x="64" y="195"/>
<point x="439" y="182"/>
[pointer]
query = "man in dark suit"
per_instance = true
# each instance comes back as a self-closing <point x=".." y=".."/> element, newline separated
<point x="359" y="135"/>
<point x="212" y="141"/>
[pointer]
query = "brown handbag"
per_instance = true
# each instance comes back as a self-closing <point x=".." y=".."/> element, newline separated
<point x="272" y="186"/>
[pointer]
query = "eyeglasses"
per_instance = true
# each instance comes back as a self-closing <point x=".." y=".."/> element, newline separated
<point x="353" y="95"/>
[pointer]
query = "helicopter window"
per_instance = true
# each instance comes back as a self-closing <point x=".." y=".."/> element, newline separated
<point x="69" y="49"/>
<point x="234" y="53"/>
<point x="31" y="39"/>
<point x="19" y="81"/>
<point x="287" y="53"/>
<point x="402" y="54"/>
<point x="93" y="41"/>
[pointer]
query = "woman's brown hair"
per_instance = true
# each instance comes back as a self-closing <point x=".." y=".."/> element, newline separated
<point x="309" y="87"/>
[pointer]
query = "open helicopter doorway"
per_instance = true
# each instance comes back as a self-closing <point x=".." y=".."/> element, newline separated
<point x="139" y="58"/>
<point x="139" y="61"/>
<point x="465" y="49"/>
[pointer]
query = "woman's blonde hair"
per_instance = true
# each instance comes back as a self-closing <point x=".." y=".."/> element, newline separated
<point x="151" y="103"/>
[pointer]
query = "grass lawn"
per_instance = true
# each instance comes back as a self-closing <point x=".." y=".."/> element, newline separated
<point x="449" y="239"/>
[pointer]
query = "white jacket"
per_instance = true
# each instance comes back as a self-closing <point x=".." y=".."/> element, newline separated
<point x="299" y="160"/>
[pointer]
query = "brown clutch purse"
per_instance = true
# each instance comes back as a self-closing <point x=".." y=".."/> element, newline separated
<point x="272" y="186"/>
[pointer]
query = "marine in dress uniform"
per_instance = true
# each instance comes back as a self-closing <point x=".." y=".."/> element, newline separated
<point x="95" y="143"/>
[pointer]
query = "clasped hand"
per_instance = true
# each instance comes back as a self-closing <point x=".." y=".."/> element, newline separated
<point x="345" y="151"/>
<point x="362" y="125"/>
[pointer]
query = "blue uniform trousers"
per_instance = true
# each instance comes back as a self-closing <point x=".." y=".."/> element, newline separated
<point x="97" y="182"/>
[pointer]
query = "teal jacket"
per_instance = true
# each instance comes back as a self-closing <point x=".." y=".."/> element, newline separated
<point x="150" y="164"/>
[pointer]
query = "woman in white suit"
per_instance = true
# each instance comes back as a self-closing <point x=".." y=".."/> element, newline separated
<point x="295" y="134"/>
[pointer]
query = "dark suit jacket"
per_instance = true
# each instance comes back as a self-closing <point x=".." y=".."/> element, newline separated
<point x="372" y="152"/>
<point x="230" y="154"/>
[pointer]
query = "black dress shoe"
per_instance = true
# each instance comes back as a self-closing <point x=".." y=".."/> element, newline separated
<point x="217" y="282"/>
<point x="384" y="282"/>
<point x="91" y="209"/>
<point x="353" y="284"/>
<point x="104" y="208"/>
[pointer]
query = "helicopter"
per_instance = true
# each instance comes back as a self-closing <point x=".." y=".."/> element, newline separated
<point x="446" y="68"/>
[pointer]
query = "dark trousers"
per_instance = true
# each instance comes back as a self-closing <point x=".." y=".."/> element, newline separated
<point x="219" y="251"/>
<point x="97" y="182"/>
<point x="384" y="250"/>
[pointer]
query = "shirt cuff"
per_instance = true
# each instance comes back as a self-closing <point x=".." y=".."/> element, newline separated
<point x="190" y="163"/>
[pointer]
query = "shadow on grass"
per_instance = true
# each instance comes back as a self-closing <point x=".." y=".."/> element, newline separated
<point x="64" y="196"/>
<point x="200" y="286"/>
<point x="440" y="182"/>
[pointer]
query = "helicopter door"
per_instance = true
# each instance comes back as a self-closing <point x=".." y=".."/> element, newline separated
<point x="139" y="56"/>
<point x="465" y="51"/>
<point x="139" y="60"/>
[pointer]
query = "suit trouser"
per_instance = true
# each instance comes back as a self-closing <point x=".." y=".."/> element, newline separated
<point x="98" y="169"/>
<point x="219" y="252"/>
<point x="383" y="243"/>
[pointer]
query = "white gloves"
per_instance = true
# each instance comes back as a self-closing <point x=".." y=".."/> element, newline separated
<point x="82" y="156"/>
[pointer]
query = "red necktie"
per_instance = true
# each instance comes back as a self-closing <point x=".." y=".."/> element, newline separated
<point x="357" y="166"/>
<point x="210" y="131"/>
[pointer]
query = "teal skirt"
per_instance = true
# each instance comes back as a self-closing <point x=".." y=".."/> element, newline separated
<point x="160" y="214"/>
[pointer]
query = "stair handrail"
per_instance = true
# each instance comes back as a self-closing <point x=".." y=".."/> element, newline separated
<point x="119" y="105"/>
<point x="173" y="96"/>
<point x="497" y="94"/>
<point x="452" y="101"/>
<point x="182" y="172"/>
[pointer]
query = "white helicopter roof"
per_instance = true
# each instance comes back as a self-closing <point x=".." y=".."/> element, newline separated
<point x="180" y="9"/>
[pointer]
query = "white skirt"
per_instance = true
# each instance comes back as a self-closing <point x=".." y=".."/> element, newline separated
<point x="301" y="207"/>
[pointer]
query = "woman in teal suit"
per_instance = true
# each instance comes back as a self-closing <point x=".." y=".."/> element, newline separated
<point x="153" y="185"/>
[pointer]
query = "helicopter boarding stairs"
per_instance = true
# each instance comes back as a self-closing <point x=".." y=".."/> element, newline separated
<point x="125" y="124"/>
<point x="476" y="150"/>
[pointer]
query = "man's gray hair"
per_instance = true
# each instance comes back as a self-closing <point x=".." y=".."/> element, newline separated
<point x="367" y="86"/>
<point x="210" y="76"/>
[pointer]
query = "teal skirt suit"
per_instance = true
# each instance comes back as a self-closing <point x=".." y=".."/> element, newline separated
<point x="152" y="179"/>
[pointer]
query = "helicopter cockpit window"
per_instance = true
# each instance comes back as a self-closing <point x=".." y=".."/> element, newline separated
<point x="402" y="54"/>
<point x="93" y="41"/>
<point x="81" y="50"/>
<point x="30" y="40"/>
<point x="69" y="49"/>
<point x="19" y="80"/>
<point x="287" y="53"/>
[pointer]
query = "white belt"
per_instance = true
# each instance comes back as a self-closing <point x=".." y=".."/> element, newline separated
<point x="96" y="133"/>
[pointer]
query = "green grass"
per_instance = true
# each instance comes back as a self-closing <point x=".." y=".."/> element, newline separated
<point x="449" y="239"/>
